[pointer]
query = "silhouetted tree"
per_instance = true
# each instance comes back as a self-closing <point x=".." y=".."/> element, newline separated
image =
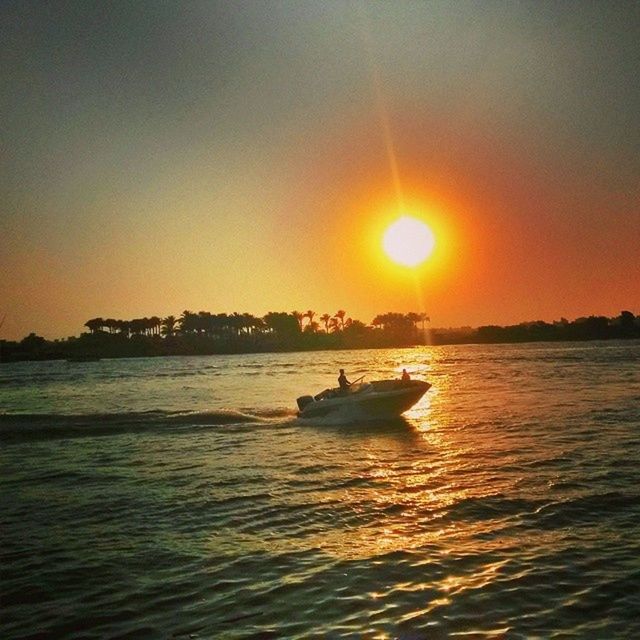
<point x="627" y="323"/>
<point x="310" y="315"/>
<point x="593" y="327"/>
<point x="94" y="325"/>
<point x="155" y="324"/>
<point x="204" y="332"/>
<point x="253" y="324"/>
<point x="138" y="326"/>
<point x="188" y="322"/>
<point x="122" y="327"/>
<point x="393" y="322"/>
<point x="326" y="318"/>
<point x="355" y="328"/>
<point x="221" y="325"/>
<point x="299" y="317"/>
<point x="110" y="324"/>
<point x="204" y="323"/>
<point x="281" y="323"/>
<point x="34" y="345"/>
<point x="312" y="327"/>
<point x="169" y="326"/>
<point x="340" y="314"/>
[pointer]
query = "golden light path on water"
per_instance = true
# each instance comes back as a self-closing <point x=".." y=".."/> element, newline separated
<point x="413" y="478"/>
<point x="418" y="493"/>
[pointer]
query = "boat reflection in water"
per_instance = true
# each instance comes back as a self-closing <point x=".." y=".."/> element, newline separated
<point x="377" y="400"/>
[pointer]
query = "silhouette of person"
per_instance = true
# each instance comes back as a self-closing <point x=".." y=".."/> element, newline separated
<point x="343" y="382"/>
<point x="405" y="376"/>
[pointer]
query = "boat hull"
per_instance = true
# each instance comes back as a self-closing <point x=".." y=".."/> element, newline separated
<point x="377" y="401"/>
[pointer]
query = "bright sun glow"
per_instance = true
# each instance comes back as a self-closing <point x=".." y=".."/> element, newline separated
<point x="408" y="241"/>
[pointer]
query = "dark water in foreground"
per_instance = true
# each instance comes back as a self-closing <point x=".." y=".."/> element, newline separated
<point x="180" y="498"/>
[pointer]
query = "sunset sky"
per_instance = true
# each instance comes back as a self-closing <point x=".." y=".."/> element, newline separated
<point x="247" y="156"/>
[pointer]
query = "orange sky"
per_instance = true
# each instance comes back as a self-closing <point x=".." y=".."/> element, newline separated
<point x="233" y="158"/>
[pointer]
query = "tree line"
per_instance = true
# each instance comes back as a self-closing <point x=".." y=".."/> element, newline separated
<point x="204" y="332"/>
<point x="223" y="325"/>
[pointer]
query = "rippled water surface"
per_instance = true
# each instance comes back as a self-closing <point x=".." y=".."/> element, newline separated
<point x="181" y="498"/>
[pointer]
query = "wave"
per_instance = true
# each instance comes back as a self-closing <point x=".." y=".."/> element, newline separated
<point x="537" y="514"/>
<point x="491" y="507"/>
<point x="588" y="509"/>
<point x="23" y="426"/>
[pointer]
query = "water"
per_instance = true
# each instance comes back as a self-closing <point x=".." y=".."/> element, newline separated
<point x="180" y="498"/>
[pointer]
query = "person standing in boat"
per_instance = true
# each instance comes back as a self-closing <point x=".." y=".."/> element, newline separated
<point x="343" y="382"/>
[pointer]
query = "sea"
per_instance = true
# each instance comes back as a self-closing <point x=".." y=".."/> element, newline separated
<point x="181" y="497"/>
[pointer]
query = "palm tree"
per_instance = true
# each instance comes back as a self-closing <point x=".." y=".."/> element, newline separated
<point x="270" y="321"/>
<point x="356" y="328"/>
<point x="250" y="323"/>
<point x="169" y="326"/>
<point x="326" y="318"/>
<point x="413" y="318"/>
<point x="147" y="326"/>
<point x="299" y="317"/>
<point x="340" y="314"/>
<point x="310" y="314"/>
<point x="155" y="323"/>
<point x="236" y="323"/>
<point x="204" y="323"/>
<point x="138" y="325"/>
<point x="258" y="324"/>
<point x="281" y="323"/>
<point x="185" y="321"/>
<point x="221" y="325"/>
<point x="392" y="321"/>
<point x="312" y="327"/>
<point x="125" y="327"/>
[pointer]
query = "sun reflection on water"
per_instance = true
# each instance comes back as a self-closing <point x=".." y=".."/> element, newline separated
<point x="431" y="508"/>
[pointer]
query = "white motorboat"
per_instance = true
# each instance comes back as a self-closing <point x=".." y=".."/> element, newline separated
<point x="369" y="401"/>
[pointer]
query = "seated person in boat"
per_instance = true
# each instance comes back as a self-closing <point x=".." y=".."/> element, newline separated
<point x="343" y="382"/>
<point x="405" y="376"/>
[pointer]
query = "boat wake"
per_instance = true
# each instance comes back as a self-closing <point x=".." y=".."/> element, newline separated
<point x="16" y="427"/>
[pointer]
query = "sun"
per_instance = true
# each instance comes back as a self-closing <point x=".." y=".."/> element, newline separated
<point x="408" y="241"/>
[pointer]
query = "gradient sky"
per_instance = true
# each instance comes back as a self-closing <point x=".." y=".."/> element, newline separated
<point x="245" y="156"/>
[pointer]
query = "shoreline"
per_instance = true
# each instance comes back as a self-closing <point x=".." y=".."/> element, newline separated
<point x="56" y="355"/>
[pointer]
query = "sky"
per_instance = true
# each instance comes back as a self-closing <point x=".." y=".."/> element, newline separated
<point x="247" y="156"/>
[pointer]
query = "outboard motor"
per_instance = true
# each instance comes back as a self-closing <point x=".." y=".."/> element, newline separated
<point x="303" y="401"/>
